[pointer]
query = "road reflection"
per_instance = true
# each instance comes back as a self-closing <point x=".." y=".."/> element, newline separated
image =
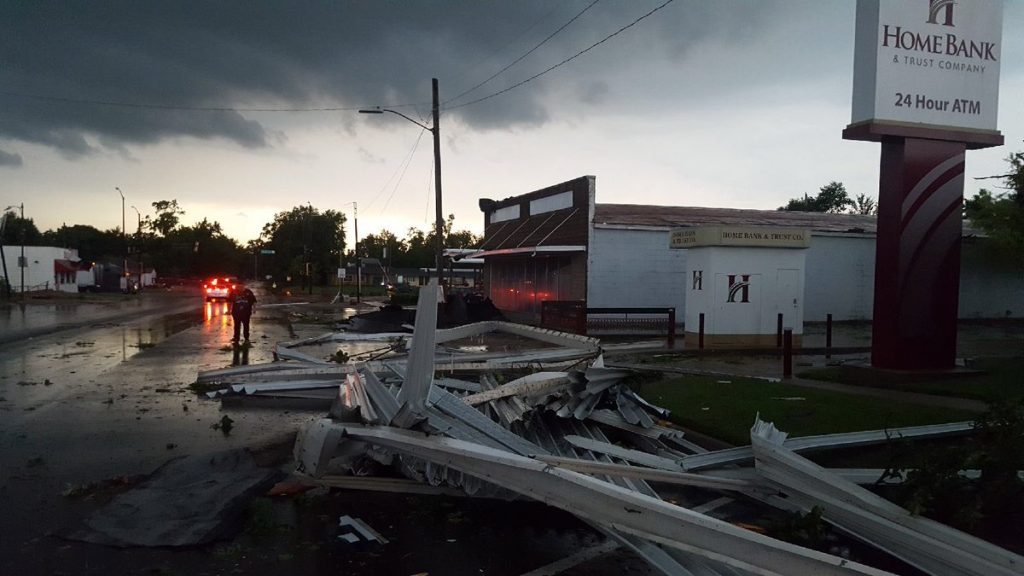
<point x="217" y="312"/>
<point x="240" y="355"/>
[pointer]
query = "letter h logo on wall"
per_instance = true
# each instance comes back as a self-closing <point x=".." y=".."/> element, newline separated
<point x="937" y="7"/>
<point x="698" y="280"/>
<point x="741" y="288"/>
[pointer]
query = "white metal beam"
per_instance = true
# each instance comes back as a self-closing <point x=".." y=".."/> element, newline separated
<point x="616" y="507"/>
<point x="931" y="546"/>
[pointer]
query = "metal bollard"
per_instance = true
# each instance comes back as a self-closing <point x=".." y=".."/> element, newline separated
<point x="787" y="353"/>
<point x="828" y="336"/>
<point x="700" y="333"/>
<point x="671" y="327"/>
<point x="778" y="332"/>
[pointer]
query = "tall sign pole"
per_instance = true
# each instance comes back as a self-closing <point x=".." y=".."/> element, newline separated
<point x="926" y="86"/>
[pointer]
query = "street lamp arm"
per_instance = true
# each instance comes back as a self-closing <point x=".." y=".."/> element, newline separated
<point x="383" y="110"/>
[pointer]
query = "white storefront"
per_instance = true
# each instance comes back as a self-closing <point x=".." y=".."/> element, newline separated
<point x="630" y="264"/>
<point x="620" y="258"/>
<point x="46" y="268"/>
<point x="745" y="282"/>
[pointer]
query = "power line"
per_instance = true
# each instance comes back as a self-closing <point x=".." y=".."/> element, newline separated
<point x="154" y="106"/>
<point x="412" y="150"/>
<point x="527" y="53"/>
<point x="494" y="53"/>
<point x="566" y="61"/>
<point x="398" y="183"/>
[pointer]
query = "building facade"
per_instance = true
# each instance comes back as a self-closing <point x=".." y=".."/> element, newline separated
<point x="46" y="268"/>
<point x="559" y="244"/>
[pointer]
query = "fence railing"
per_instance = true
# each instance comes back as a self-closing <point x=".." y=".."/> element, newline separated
<point x="574" y="316"/>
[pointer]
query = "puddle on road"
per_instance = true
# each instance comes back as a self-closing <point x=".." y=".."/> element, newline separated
<point x="77" y="357"/>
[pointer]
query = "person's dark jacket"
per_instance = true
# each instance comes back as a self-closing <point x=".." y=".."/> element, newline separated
<point x="242" y="304"/>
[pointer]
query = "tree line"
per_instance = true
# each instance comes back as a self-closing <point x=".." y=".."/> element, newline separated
<point x="833" y="198"/>
<point x="305" y="242"/>
<point x="999" y="215"/>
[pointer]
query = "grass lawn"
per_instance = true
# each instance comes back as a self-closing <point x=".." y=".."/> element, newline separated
<point x="1001" y="380"/>
<point x="725" y="409"/>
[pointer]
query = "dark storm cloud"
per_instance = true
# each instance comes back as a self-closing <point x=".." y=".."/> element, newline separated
<point x="299" y="54"/>
<point x="9" y="160"/>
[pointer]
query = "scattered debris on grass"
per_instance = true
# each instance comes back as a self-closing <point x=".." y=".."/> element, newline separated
<point x="224" y="425"/>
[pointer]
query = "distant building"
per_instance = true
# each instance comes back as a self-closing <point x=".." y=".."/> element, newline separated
<point x="46" y="268"/>
<point x="559" y="244"/>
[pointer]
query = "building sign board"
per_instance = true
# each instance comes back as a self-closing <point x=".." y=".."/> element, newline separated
<point x="928" y="62"/>
<point x="758" y="236"/>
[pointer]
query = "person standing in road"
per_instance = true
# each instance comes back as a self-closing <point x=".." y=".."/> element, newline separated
<point x="241" y="311"/>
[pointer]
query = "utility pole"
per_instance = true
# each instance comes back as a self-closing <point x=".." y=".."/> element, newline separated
<point x="359" y="263"/>
<point x="3" y="258"/>
<point x="124" y="242"/>
<point x="436" y="131"/>
<point x="138" y="244"/>
<point x="22" y="263"/>
<point x="439" y="225"/>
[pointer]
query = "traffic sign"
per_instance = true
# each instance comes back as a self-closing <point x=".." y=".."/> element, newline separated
<point x="266" y="251"/>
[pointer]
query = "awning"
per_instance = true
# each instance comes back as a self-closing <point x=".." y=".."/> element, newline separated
<point x="64" y="267"/>
<point x="529" y="250"/>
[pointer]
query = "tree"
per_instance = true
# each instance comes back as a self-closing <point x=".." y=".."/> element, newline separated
<point x="304" y="238"/>
<point x="864" y="204"/>
<point x="1001" y="216"/>
<point x="92" y="244"/>
<point x="832" y="198"/>
<point x="18" y="230"/>
<point x="167" y="216"/>
<point x="373" y="245"/>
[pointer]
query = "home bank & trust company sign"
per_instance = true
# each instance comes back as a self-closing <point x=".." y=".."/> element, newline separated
<point x="928" y="62"/>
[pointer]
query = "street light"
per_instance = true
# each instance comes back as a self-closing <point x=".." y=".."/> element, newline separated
<point x="124" y="240"/>
<point x="138" y="244"/>
<point x="436" y="131"/>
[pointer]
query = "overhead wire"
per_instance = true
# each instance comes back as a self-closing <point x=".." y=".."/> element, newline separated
<point x="495" y="52"/>
<point x="156" y="106"/>
<point x="398" y="169"/>
<point x="527" y="53"/>
<point x="408" y="161"/>
<point x="414" y="105"/>
<point x="563" y="62"/>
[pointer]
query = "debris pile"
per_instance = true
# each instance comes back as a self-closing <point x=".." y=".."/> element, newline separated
<point x="551" y="422"/>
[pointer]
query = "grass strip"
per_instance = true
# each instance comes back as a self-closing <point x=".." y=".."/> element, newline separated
<point x="725" y="408"/>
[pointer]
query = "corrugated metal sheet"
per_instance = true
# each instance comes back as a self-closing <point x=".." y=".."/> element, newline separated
<point x="617" y="507"/>
<point x="933" y="547"/>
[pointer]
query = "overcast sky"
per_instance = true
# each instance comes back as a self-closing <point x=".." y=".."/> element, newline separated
<point x="728" y="103"/>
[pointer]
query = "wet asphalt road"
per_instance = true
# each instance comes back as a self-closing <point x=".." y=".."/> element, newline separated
<point x="109" y="399"/>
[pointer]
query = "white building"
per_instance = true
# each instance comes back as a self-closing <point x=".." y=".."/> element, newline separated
<point x="559" y="244"/>
<point x="46" y="268"/>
